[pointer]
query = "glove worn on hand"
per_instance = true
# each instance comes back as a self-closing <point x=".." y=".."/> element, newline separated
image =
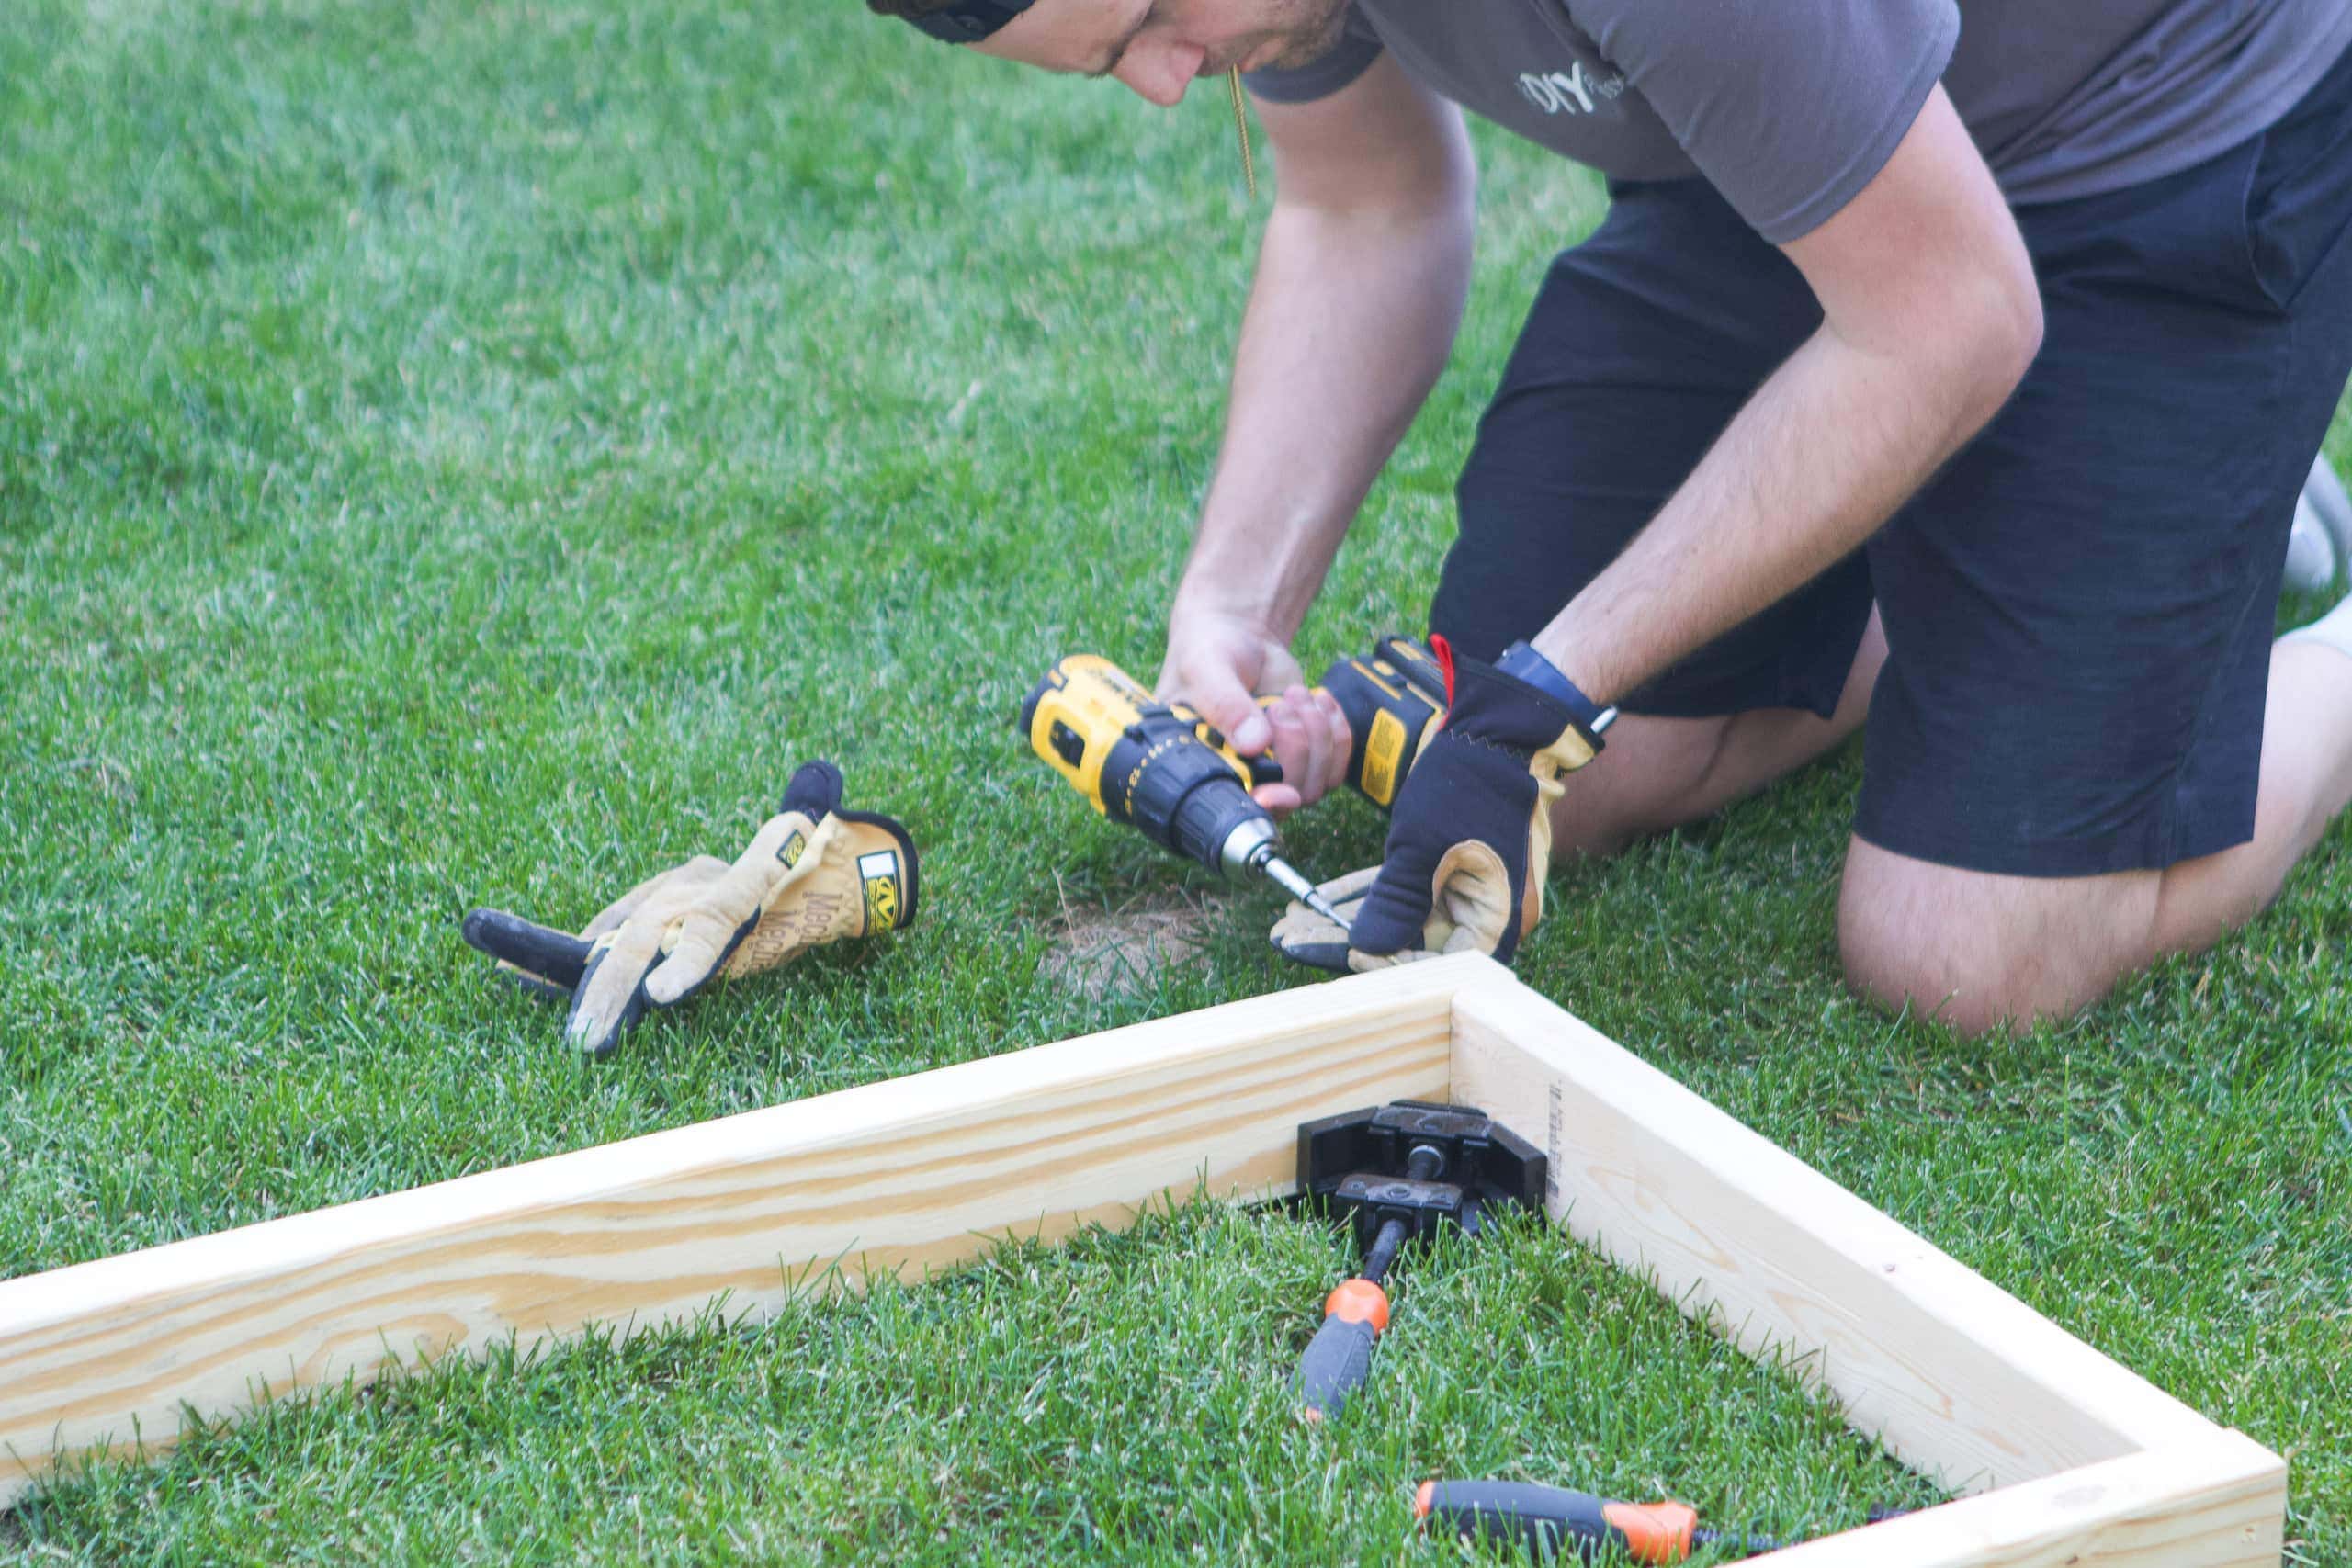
<point x="1471" y="836"/>
<point x="1305" y="937"/>
<point x="815" y="872"/>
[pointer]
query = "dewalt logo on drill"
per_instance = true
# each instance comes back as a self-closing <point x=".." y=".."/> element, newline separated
<point x="877" y="873"/>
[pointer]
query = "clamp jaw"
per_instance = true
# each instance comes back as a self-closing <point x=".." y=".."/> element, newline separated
<point x="1398" y="1173"/>
<point x="1358" y="1167"/>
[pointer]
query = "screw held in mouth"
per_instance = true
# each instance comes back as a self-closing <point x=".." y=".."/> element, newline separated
<point x="1241" y="130"/>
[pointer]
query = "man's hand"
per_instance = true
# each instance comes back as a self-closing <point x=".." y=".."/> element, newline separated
<point x="1219" y="665"/>
<point x="815" y="872"/>
<point x="1471" y="838"/>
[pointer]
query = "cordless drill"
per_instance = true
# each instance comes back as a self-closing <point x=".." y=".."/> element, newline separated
<point x="1162" y="769"/>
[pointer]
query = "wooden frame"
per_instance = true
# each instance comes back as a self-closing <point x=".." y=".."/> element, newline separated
<point x="2065" y="1457"/>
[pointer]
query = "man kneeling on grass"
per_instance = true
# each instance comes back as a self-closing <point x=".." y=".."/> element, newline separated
<point x="1962" y="380"/>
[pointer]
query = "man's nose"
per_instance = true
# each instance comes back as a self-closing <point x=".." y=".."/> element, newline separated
<point x="1160" y="70"/>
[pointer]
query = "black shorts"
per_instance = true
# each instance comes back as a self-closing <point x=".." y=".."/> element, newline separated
<point x="2078" y="607"/>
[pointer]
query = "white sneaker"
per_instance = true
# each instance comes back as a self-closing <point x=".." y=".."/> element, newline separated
<point x="2321" y="539"/>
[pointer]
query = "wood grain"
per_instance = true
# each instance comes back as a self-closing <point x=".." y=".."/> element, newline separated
<point x="2095" y="1466"/>
<point x="2217" y="1504"/>
<point x="1960" y="1380"/>
<point x="902" y="1177"/>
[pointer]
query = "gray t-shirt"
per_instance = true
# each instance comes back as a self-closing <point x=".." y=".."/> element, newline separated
<point x="1789" y="106"/>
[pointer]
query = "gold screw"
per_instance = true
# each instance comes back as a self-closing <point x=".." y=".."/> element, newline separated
<point x="1241" y="129"/>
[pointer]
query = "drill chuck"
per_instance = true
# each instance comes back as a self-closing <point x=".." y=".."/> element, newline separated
<point x="1249" y="846"/>
<point x="1253" y="847"/>
<point x="1162" y="769"/>
<point x="1184" y="796"/>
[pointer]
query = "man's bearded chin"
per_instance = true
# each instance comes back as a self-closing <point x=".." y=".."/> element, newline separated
<point x="1310" y="29"/>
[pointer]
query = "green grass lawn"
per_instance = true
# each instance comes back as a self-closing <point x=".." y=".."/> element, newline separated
<point x="456" y="454"/>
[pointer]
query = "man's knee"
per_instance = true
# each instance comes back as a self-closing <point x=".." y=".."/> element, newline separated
<point x="1649" y="778"/>
<point x="1978" y="951"/>
<point x="1659" y="773"/>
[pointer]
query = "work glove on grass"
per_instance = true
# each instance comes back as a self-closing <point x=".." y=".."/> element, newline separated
<point x="1470" y="839"/>
<point x="815" y="872"/>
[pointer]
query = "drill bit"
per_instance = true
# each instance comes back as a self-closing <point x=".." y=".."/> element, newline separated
<point x="1241" y="129"/>
<point x="1287" y="876"/>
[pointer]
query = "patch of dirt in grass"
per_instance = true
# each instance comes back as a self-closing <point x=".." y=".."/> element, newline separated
<point x="1113" y="953"/>
<point x="106" y="775"/>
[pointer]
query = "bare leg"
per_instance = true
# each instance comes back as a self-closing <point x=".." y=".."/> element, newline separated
<point x="2306" y="780"/>
<point x="1979" y="950"/>
<point x="1661" y="772"/>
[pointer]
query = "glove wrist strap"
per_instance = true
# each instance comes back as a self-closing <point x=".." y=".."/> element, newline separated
<point x="1521" y="662"/>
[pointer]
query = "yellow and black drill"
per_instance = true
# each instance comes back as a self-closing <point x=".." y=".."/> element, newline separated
<point x="1162" y="769"/>
<point x="1169" y="773"/>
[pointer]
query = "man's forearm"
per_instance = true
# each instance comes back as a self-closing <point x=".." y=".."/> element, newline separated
<point x="1930" y="317"/>
<point x="1825" y="452"/>
<point x="1349" y="322"/>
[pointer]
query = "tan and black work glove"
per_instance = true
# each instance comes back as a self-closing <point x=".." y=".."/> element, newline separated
<point x="1470" y="840"/>
<point x="1305" y="937"/>
<point x="815" y="872"/>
